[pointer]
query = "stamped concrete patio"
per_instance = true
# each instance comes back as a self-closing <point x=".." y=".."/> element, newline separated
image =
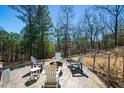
<point x="21" y="78"/>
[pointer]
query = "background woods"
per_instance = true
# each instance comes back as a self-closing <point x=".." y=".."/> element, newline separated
<point x="98" y="27"/>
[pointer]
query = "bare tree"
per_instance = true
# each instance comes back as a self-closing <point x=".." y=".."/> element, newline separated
<point x="115" y="13"/>
<point x="89" y="26"/>
<point x="92" y="26"/>
<point x="58" y="35"/>
<point x="65" y="18"/>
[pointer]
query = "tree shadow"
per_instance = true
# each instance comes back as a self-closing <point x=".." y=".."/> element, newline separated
<point x="27" y="74"/>
<point x="61" y="73"/>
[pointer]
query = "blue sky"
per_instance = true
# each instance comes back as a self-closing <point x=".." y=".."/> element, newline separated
<point x="11" y="23"/>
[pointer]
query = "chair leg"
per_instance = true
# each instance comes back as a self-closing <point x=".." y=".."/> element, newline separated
<point x="58" y="83"/>
<point x="31" y="74"/>
<point x="38" y="73"/>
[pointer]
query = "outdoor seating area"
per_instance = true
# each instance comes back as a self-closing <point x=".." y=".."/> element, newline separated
<point x="51" y="74"/>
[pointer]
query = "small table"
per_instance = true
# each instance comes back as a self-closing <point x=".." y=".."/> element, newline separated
<point x="33" y="70"/>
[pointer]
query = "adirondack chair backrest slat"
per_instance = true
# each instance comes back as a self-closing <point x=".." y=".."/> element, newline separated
<point x="58" y="56"/>
<point x="80" y="59"/>
<point x="50" y="71"/>
<point x="33" y="60"/>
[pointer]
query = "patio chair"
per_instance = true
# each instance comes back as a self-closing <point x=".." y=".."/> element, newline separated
<point x="6" y="79"/>
<point x="51" y="77"/>
<point x="57" y="57"/>
<point x="34" y="62"/>
<point x="68" y="61"/>
<point x="35" y="69"/>
<point x="77" y="65"/>
<point x="80" y="60"/>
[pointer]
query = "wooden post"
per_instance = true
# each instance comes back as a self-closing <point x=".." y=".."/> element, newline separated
<point x="123" y="70"/>
<point x="94" y="59"/>
<point x="108" y="85"/>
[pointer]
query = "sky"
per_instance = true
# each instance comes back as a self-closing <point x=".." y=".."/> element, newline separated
<point x="11" y="23"/>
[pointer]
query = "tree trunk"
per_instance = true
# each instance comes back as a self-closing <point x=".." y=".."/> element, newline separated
<point x="11" y="60"/>
<point x="116" y="28"/>
<point x="30" y="47"/>
<point x="3" y="58"/>
<point x="66" y="39"/>
<point x="30" y="31"/>
<point x="94" y="61"/>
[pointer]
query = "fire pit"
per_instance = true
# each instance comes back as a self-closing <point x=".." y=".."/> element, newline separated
<point x="52" y="63"/>
<point x="56" y="63"/>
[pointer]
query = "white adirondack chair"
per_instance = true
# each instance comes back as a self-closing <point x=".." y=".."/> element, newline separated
<point x="35" y="70"/>
<point x="57" y="57"/>
<point x="51" y="76"/>
<point x="6" y="79"/>
<point x="34" y="62"/>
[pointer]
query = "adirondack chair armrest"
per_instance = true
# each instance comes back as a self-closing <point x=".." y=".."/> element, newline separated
<point x="36" y="65"/>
